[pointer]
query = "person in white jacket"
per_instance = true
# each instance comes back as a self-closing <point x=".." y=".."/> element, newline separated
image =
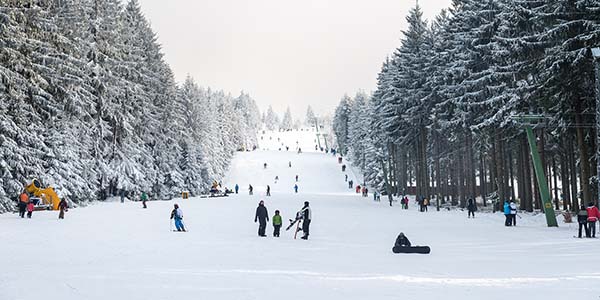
<point x="513" y="212"/>
<point x="306" y="218"/>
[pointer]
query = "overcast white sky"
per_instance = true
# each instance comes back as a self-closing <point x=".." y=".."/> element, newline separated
<point x="282" y="52"/>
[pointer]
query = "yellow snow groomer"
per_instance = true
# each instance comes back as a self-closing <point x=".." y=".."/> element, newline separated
<point x="48" y="196"/>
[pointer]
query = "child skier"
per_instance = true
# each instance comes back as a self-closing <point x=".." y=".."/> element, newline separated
<point x="30" y="208"/>
<point x="277" y="222"/>
<point x="177" y="214"/>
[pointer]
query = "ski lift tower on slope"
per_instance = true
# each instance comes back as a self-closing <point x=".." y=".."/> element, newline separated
<point x="527" y="121"/>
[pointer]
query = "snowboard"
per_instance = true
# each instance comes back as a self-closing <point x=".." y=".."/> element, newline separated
<point x="413" y="249"/>
<point x="292" y="223"/>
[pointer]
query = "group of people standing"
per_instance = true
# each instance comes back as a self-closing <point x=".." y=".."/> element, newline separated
<point x="587" y="218"/>
<point x="27" y="205"/>
<point x="262" y="217"/>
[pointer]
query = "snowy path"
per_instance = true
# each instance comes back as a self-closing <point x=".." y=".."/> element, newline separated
<point x="120" y="251"/>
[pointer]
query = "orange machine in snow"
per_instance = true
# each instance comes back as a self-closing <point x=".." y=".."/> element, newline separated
<point x="49" y="197"/>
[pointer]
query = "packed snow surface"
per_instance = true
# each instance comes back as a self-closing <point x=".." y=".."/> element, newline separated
<point x="117" y="251"/>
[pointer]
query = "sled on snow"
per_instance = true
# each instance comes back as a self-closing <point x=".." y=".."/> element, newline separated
<point x="413" y="249"/>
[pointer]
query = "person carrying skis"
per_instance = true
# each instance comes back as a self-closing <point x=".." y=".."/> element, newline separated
<point x="277" y="222"/>
<point x="513" y="212"/>
<point x="471" y="208"/>
<point x="23" y="201"/>
<point x="262" y="217"/>
<point x="237" y="188"/>
<point x="177" y="215"/>
<point x="593" y="216"/>
<point x="402" y="241"/>
<point x="30" y="208"/>
<point x="508" y="220"/>
<point x="306" y="214"/>
<point x="144" y="198"/>
<point x="63" y="207"/>
<point x="268" y="191"/>
<point x="296" y="188"/>
<point x="582" y="219"/>
<point x="250" y="189"/>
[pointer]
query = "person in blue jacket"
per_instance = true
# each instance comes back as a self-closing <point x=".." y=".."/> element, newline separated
<point x="237" y="188"/>
<point x="508" y="221"/>
<point x="296" y="188"/>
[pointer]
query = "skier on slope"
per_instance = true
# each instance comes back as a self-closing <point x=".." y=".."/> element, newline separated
<point x="296" y="188"/>
<point x="306" y="214"/>
<point x="177" y="215"/>
<point x="296" y="178"/>
<point x="237" y="188"/>
<point x="268" y="191"/>
<point x="144" y="198"/>
<point x="250" y="189"/>
<point x="23" y="201"/>
<point x="262" y="217"/>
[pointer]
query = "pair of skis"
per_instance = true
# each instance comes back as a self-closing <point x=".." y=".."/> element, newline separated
<point x="296" y="222"/>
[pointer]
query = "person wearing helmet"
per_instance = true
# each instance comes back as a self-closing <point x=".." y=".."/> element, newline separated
<point x="177" y="215"/>
<point x="306" y="218"/>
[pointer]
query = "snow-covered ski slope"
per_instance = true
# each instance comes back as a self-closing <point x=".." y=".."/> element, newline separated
<point x="114" y="251"/>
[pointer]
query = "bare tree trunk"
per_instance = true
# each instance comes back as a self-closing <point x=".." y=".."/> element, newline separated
<point x="575" y="200"/>
<point x="482" y="176"/>
<point x="584" y="160"/>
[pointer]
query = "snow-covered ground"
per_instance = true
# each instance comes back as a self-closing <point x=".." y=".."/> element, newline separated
<point x="122" y="252"/>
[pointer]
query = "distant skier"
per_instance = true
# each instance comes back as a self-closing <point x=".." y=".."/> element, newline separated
<point x="265" y="165"/>
<point x="177" y="215"/>
<point x="296" y="178"/>
<point x="513" y="212"/>
<point x="306" y="218"/>
<point x="425" y="204"/>
<point x="30" y="208"/>
<point x="339" y="160"/>
<point x="471" y="208"/>
<point x="250" y="189"/>
<point x="123" y="196"/>
<point x="268" y="191"/>
<point x="299" y="150"/>
<point x="63" y="206"/>
<point x="345" y="177"/>
<point x="358" y="189"/>
<point x="290" y="164"/>
<point x="276" y="179"/>
<point x="508" y="220"/>
<point x="277" y="222"/>
<point x="350" y="184"/>
<point x="237" y="188"/>
<point x="593" y="216"/>
<point x="582" y="219"/>
<point x="262" y="217"/>
<point x="343" y="168"/>
<point x="144" y="198"/>
<point x="295" y="188"/>
<point x="375" y="195"/>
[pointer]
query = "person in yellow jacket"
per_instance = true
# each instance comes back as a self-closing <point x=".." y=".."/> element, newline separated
<point x="277" y="222"/>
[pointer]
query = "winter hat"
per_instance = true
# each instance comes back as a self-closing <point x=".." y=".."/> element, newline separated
<point x="305" y="203"/>
<point x="176" y="206"/>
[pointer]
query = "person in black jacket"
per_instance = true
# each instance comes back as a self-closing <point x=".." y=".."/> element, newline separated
<point x="582" y="217"/>
<point x="306" y="218"/>
<point x="471" y="208"/>
<point x="262" y="216"/>
<point x="402" y="241"/>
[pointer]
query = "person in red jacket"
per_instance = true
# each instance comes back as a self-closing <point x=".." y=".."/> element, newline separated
<point x="593" y="216"/>
<point x="30" y="208"/>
